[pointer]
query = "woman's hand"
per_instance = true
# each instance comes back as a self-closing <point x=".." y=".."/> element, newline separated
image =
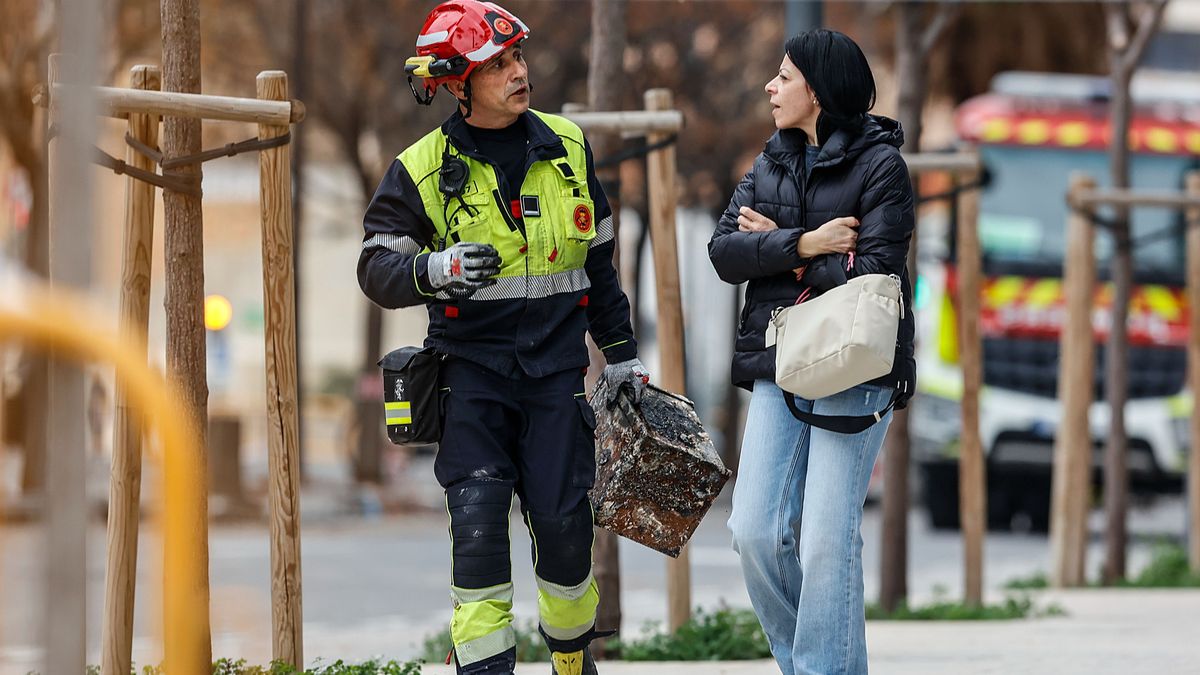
<point x="750" y="220"/>
<point x="835" y="236"/>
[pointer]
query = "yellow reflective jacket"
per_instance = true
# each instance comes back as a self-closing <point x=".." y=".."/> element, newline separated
<point x="557" y="279"/>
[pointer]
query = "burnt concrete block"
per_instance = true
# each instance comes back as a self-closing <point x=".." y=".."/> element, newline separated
<point x="657" y="472"/>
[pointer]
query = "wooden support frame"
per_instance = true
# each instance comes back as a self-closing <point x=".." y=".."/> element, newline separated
<point x="661" y="172"/>
<point x="972" y="471"/>
<point x="1193" y="361"/>
<point x="120" y="103"/>
<point x="1073" y="456"/>
<point x="1073" y="441"/>
<point x="628" y="122"/>
<point x="657" y="123"/>
<point x="972" y="466"/>
<point x="125" y="483"/>
<point x="279" y="307"/>
<point x="274" y="113"/>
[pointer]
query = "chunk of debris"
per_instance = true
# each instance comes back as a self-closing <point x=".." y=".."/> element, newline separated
<point x="657" y="472"/>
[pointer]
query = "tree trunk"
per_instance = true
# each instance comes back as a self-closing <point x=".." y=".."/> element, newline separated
<point x="183" y="239"/>
<point x="369" y="465"/>
<point x="1116" y="361"/>
<point x="35" y="389"/>
<point x="731" y="421"/>
<point x="605" y="79"/>
<point x="910" y="70"/>
<point x="1125" y="52"/>
<point x="298" y="85"/>
<point x="893" y="572"/>
<point x="368" y="390"/>
<point x="606" y="73"/>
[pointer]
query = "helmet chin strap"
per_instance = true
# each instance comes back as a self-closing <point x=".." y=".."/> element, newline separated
<point x="466" y="100"/>
<point x="423" y="96"/>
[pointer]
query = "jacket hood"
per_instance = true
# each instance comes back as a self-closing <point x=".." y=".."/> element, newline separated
<point x="841" y="145"/>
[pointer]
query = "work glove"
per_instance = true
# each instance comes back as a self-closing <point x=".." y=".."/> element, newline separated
<point x="629" y="374"/>
<point x="464" y="268"/>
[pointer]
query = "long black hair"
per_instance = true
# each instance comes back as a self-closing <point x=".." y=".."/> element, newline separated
<point x="837" y="70"/>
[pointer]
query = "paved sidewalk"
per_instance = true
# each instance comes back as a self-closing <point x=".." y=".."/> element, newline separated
<point x="1105" y="631"/>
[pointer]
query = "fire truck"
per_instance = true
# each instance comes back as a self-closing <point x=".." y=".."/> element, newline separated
<point x="1033" y="131"/>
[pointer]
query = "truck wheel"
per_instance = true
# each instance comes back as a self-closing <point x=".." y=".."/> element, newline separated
<point x="1035" y="501"/>
<point x="939" y="492"/>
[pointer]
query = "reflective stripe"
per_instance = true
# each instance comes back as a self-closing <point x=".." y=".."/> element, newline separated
<point x="565" y="592"/>
<point x="400" y="244"/>
<point x="485" y="52"/>
<point x="562" y="282"/>
<point x="567" y="612"/>
<point x="1162" y="302"/>
<point x="485" y="647"/>
<point x="604" y="232"/>
<point x="505" y="288"/>
<point x="511" y="288"/>
<point x="482" y="623"/>
<point x="424" y="40"/>
<point x="462" y="596"/>
<point x="568" y="634"/>
<point x="1180" y="405"/>
<point x="398" y="412"/>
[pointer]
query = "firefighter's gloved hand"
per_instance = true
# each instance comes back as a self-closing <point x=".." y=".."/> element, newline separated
<point x="629" y="374"/>
<point x="464" y="268"/>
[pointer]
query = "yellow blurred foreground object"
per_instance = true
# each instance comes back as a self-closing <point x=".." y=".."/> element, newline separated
<point x="60" y="323"/>
<point x="218" y="311"/>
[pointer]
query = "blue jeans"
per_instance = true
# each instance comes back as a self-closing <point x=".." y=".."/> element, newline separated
<point x="797" y="513"/>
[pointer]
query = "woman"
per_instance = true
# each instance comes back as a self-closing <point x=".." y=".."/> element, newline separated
<point x="829" y="198"/>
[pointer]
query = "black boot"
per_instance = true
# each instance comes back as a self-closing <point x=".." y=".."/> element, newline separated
<point x="572" y="663"/>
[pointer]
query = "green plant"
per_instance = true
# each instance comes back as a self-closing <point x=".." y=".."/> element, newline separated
<point x="530" y="646"/>
<point x="723" y="635"/>
<point x="146" y="670"/>
<point x="1168" y="568"/>
<point x="1013" y="607"/>
<point x="1032" y="582"/>
<point x="371" y="667"/>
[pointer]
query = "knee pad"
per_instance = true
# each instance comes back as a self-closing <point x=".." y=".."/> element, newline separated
<point x="479" y="533"/>
<point x="562" y="545"/>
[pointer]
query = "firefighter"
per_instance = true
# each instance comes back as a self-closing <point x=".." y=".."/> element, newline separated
<point x="497" y="223"/>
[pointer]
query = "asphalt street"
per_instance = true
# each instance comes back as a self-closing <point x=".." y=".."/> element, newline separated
<point x="377" y="585"/>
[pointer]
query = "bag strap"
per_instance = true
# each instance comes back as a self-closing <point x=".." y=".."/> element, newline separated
<point x="842" y="424"/>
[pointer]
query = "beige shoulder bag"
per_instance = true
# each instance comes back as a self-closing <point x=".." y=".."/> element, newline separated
<point x="837" y="340"/>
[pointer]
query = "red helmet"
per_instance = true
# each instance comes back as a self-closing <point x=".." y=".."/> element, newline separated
<point x="458" y="36"/>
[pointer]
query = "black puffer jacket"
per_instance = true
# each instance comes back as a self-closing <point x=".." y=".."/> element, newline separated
<point x="860" y="175"/>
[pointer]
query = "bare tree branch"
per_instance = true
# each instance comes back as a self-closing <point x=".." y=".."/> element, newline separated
<point x="947" y="12"/>
<point x="1148" y="21"/>
<point x="1117" y="15"/>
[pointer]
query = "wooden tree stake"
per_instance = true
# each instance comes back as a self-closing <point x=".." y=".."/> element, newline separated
<point x="971" y="469"/>
<point x="1073" y="440"/>
<point x="125" y="484"/>
<point x="279" y="309"/>
<point x="1193" y="272"/>
<point x="661" y="173"/>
